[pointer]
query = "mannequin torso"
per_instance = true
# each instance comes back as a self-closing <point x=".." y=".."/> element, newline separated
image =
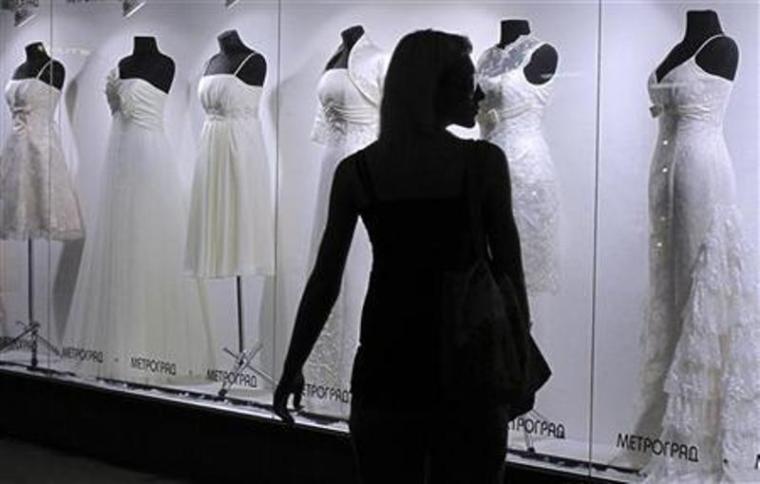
<point x="38" y="65"/>
<point x="543" y="63"/>
<point x="232" y="60"/>
<point x="149" y="64"/>
<point x="340" y="59"/>
<point x="719" y="56"/>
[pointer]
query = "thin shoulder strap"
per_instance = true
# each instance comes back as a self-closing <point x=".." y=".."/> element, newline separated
<point x="704" y="44"/>
<point x="42" y="70"/>
<point x="242" y="64"/>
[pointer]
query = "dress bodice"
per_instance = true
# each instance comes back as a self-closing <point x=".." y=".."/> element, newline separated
<point x="136" y="101"/>
<point x="32" y="102"/>
<point x="689" y="97"/>
<point x="512" y="104"/>
<point x="347" y="114"/>
<point x="225" y="97"/>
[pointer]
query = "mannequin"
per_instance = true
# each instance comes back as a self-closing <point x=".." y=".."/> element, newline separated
<point x="720" y="56"/>
<point x="149" y="64"/>
<point x="36" y="60"/>
<point x="350" y="36"/>
<point x="543" y="63"/>
<point x="233" y="52"/>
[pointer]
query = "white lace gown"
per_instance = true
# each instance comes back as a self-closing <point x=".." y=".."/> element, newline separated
<point x="231" y="228"/>
<point x="134" y="316"/>
<point x="346" y="122"/>
<point x="511" y="117"/>
<point x="37" y="196"/>
<point x="701" y="381"/>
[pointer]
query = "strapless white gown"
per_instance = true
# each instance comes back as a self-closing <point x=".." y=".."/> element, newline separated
<point x="135" y="316"/>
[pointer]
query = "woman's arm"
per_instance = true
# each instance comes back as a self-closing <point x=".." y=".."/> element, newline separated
<point x="500" y="228"/>
<point x="324" y="283"/>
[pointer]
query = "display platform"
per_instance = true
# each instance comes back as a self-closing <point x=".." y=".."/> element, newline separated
<point x="196" y="434"/>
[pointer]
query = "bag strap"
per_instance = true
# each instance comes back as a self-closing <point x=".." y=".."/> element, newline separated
<point x="474" y="212"/>
<point x="364" y="179"/>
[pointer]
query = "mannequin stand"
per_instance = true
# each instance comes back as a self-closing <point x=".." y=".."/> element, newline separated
<point x="243" y="357"/>
<point x="32" y="328"/>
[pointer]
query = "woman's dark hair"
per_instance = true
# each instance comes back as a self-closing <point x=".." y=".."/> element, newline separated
<point x="419" y="63"/>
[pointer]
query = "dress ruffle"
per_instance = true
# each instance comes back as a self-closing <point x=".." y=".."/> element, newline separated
<point x="713" y="382"/>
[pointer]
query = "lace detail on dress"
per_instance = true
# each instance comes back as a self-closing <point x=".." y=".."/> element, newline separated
<point x="510" y="116"/>
<point x="701" y="374"/>
<point x="496" y="61"/>
<point x="37" y="195"/>
<point x="712" y="384"/>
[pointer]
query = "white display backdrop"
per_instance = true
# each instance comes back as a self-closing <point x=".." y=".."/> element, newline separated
<point x="636" y="36"/>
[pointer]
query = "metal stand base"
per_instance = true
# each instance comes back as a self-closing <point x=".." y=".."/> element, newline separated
<point x="243" y="361"/>
<point x="32" y="329"/>
<point x="243" y="357"/>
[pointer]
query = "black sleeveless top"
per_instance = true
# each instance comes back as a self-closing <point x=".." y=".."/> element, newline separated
<point x="414" y="241"/>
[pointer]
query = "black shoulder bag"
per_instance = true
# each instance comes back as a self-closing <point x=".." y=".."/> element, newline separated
<point x="486" y="349"/>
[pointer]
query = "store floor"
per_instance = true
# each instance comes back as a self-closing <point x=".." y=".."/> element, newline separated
<point x="25" y="463"/>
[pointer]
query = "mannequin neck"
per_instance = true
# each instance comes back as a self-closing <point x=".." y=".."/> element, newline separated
<point x="145" y="46"/>
<point x="351" y="35"/>
<point x="511" y="30"/>
<point x="700" y="25"/>
<point x="36" y="52"/>
<point x="230" y="43"/>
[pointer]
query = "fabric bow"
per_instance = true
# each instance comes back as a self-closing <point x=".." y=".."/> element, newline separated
<point x="20" y="115"/>
<point x="656" y="110"/>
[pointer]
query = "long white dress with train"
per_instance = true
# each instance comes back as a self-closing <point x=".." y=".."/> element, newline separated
<point x="346" y="122"/>
<point x="510" y="116"/>
<point x="37" y="196"/>
<point x="231" y="229"/>
<point x="700" y="379"/>
<point x="134" y="316"/>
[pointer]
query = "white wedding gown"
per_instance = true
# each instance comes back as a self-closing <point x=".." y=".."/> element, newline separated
<point x="37" y="196"/>
<point x="345" y="123"/>
<point x="134" y="316"/>
<point x="510" y="116"/>
<point x="231" y="229"/>
<point x="701" y="381"/>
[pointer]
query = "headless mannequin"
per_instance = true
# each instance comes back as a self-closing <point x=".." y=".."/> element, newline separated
<point x="232" y="55"/>
<point x="149" y="64"/>
<point x="350" y="36"/>
<point x="543" y="63"/>
<point x="37" y="65"/>
<point x="720" y="56"/>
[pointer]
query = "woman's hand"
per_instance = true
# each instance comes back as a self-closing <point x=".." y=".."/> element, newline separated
<point x="290" y="386"/>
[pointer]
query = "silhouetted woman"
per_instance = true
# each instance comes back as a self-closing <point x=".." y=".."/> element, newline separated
<point x="410" y="188"/>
